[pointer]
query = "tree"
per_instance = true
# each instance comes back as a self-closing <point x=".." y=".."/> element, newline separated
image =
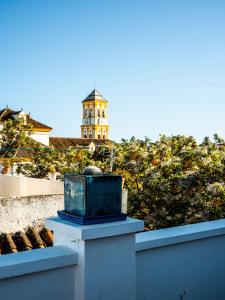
<point x="174" y="180"/>
<point x="170" y="182"/>
<point x="14" y="137"/>
<point x="51" y="160"/>
<point x="43" y="160"/>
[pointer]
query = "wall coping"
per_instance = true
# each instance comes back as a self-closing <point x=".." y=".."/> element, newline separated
<point x="8" y="198"/>
<point x="38" y="260"/>
<point x="90" y="232"/>
<point x="179" y="234"/>
<point x="27" y="186"/>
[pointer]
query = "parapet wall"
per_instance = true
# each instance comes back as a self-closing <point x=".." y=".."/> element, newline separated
<point x="185" y="262"/>
<point x="46" y="274"/>
<point x="24" y="186"/>
<point x="111" y="262"/>
<point x="17" y="213"/>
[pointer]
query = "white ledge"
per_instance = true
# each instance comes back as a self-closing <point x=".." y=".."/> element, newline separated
<point x="37" y="260"/>
<point x="89" y="232"/>
<point x="180" y="234"/>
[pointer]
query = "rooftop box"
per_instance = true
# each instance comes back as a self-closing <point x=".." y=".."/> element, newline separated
<point x="92" y="199"/>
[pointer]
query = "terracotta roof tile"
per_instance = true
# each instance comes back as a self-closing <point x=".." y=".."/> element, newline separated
<point x="47" y="237"/>
<point x="35" y="238"/>
<point x="23" y="241"/>
<point x="36" y="124"/>
<point x="65" y="142"/>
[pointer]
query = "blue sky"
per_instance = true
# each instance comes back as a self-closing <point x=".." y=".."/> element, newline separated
<point x="161" y="64"/>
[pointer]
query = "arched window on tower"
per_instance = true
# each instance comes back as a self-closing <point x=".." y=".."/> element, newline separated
<point x="104" y="134"/>
<point x="85" y="133"/>
<point x="98" y="112"/>
<point x="90" y="133"/>
<point x="103" y="113"/>
<point x="99" y="134"/>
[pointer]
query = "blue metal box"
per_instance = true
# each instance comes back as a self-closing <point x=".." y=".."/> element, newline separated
<point x="91" y="199"/>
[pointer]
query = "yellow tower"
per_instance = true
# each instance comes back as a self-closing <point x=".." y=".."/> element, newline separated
<point x="95" y="118"/>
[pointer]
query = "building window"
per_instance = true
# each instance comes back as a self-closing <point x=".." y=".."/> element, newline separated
<point x="98" y="112"/>
<point x="85" y="112"/>
<point x="90" y="133"/>
<point x="85" y="133"/>
<point x="99" y="136"/>
<point x="103" y="114"/>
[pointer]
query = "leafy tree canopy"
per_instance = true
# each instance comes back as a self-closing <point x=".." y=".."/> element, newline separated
<point x="170" y="182"/>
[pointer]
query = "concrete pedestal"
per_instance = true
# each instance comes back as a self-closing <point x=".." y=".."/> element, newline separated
<point x="106" y="257"/>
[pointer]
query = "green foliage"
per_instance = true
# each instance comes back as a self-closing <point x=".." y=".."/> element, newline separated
<point x="174" y="180"/>
<point x="50" y="160"/>
<point x="43" y="161"/>
<point x="74" y="160"/>
<point x="14" y="136"/>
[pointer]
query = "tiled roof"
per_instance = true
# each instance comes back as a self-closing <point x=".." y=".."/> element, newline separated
<point x="94" y="95"/>
<point x="36" y="124"/>
<point x="8" y="113"/>
<point x="65" y="142"/>
<point x="23" y="241"/>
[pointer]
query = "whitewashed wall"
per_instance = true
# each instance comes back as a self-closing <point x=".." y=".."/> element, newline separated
<point x="24" y="186"/>
<point x="42" y="137"/>
<point x="183" y="263"/>
<point x="17" y="213"/>
<point x="97" y="262"/>
<point x="38" y="274"/>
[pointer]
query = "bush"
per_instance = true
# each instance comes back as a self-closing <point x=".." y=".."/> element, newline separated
<point x="175" y="180"/>
<point x="172" y="181"/>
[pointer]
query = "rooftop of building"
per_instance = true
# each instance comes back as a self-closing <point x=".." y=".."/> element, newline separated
<point x="7" y="113"/>
<point x="94" y="95"/>
<point x="66" y="142"/>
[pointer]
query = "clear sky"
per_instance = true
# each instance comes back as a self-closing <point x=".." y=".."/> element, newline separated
<point x="161" y="63"/>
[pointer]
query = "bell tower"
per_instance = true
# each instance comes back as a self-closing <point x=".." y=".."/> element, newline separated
<point x="95" y="118"/>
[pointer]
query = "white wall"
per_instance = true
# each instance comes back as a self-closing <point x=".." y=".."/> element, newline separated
<point x="38" y="274"/>
<point x="20" y="186"/>
<point x="17" y="213"/>
<point x="42" y="137"/>
<point x="183" y="263"/>
<point x="97" y="262"/>
<point x="28" y="201"/>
